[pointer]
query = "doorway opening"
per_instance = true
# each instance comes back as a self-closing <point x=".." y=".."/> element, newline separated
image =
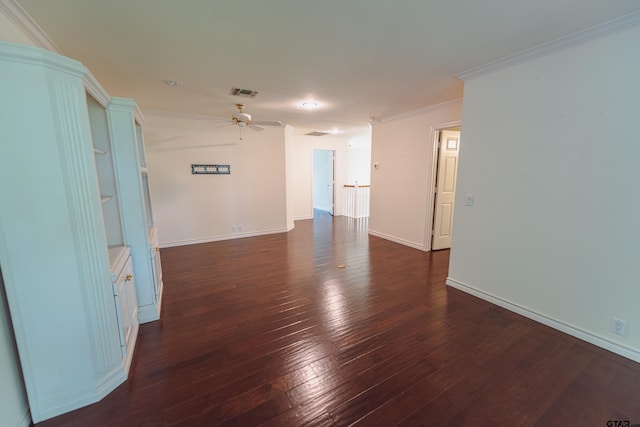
<point x="323" y="180"/>
<point x="446" y="146"/>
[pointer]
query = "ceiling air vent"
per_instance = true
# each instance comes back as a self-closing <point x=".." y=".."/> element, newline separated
<point x="245" y="93"/>
<point x="316" y="133"/>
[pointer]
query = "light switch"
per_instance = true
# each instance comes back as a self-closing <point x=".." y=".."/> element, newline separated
<point x="468" y="200"/>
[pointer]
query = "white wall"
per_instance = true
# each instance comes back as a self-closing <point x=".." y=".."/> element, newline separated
<point x="400" y="187"/>
<point x="198" y="208"/>
<point x="359" y="167"/>
<point x="550" y="151"/>
<point x="270" y="184"/>
<point x="14" y="409"/>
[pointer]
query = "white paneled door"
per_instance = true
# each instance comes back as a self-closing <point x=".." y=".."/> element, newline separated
<point x="448" y="148"/>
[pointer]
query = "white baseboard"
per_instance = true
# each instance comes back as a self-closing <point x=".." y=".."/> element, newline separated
<point x="302" y="218"/>
<point x="149" y="313"/>
<point x="574" y="331"/>
<point x="414" y="245"/>
<point x="223" y="237"/>
<point x="78" y="398"/>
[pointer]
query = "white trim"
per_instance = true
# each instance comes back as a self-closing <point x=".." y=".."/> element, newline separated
<point x="96" y="90"/>
<point x="28" y="25"/>
<point x="150" y="312"/>
<point x="303" y="218"/>
<point x="30" y="55"/>
<point x="221" y="238"/>
<point x="37" y="35"/>
<point x="139" y="116"/>
<point x="612" y="26"/>
<point x="574" y="331"/>
<point x="81" y="397"/>
<point x="427" y="109"/>
<point x="129" y="354"/>
<point x="397" y="240"/>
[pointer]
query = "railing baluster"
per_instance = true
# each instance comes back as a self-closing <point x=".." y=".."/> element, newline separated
<point x="357" y="200"/>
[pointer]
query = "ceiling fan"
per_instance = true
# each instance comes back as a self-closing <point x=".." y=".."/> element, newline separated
<point x="243" y="119"/>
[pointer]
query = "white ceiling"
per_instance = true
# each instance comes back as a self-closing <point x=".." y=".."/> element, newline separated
<point x="356" y="58"/>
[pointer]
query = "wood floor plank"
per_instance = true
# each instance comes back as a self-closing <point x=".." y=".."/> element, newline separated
<point x="269" y="331"/>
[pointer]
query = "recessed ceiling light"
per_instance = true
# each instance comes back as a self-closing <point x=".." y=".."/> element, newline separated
<point x="174" y="83"/>
<point x="309" y="104"/>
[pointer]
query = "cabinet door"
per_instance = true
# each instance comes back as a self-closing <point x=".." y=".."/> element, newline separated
<point x="127" y="308"/>
<point x="157" y="271"/>
<point x="122" y="308"/>
<point x="132" y="304"/>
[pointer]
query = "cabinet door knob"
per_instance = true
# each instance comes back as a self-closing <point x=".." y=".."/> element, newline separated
<point x="128" y="278"/>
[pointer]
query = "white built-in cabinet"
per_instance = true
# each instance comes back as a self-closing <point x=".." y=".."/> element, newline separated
<point x="77" y="248"/>
<point x="137" y="219"/>
<point x="120" y="260"/>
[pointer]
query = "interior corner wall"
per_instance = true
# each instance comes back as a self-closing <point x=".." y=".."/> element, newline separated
<point x="550" y="152"/>
<point x="301" y="151"/>
<point x="14" y="408"/>
<point x="401" y="186"/>
<point x="289" y="166"/>
<point x="187" y="208"/>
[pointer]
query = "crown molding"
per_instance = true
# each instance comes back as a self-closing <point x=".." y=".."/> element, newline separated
<point x="28" y="25"/>
<point x="27" y="54"/>
<point x="186" y="116"/>
<point x="139" y="116"/>
<point x="36" y="34"/>
<point x="95" y="89"/>
<point x="612" y="26"/>
<point x="446" y="104"/>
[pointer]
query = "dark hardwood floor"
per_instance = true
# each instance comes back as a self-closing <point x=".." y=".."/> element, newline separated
<point x="269" y="331"/>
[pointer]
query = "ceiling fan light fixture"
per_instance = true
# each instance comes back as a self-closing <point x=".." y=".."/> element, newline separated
<point x="243" y="120"/>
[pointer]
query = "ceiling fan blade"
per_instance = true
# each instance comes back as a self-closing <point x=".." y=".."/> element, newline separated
<point x="266" y="123"/>
<point x="159" y="141"/>
<point x="224" y="126"/>
<point x="255" y="127"/>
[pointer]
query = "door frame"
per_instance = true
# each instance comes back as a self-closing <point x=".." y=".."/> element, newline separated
<point x="435" y="129"/>
<point x="333" y="179"/>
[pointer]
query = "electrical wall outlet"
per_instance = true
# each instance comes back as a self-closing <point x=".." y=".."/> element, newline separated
<point x="618" y="326"/>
